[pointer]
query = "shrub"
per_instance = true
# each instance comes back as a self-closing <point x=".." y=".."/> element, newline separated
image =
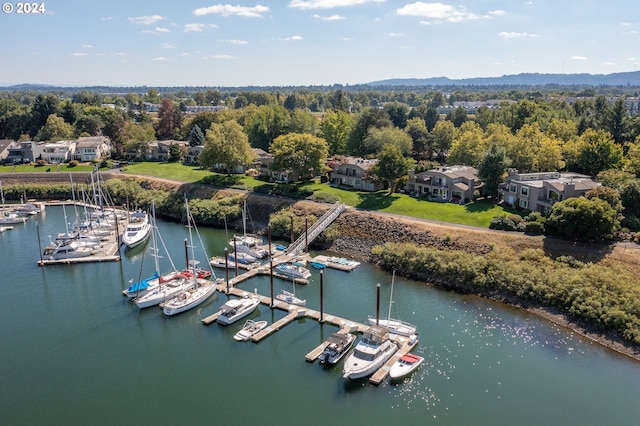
<point x="73" y="163"/>
<point x="502" y="223"/>
<point x="516" y="219"/>
<point x="534" y="217"/>
<point x="536" y="228"/>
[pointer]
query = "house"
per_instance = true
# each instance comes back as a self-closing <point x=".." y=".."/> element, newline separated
<point x="163" y="149"/>
<point x="193" y="152"/>
<point x="92" y="148"/>
<point x="450" y="183"/>
<point x="353" y="172"/>
<point x="4" y="148"/>
<point x="539" y="191"/>
<point x="58" y="152"/>
<point x="24" y="152"/>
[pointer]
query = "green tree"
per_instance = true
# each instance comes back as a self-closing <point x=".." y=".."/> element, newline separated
<point x="468" y="146"/>
<point x="397" y="113"/>
<point x="458" y="116"/>
<point x="608" y="194"/>
<point x="303" y="121"/>
<point x="392" y="165"/>
<point x="266" y="124"/>
<point x="137" y="137"/>
<point x="55" y="129"/>
<point x="369" y="118"/>
<point x="300" y="153"/>
<point x="422" y="142"/>
<point x="598" y="151"/>
<point x="525" y="148"/>
<point x="226" y="144"/>
<point x="443" y="134"/>
<point x="196" y="138"/>
<point x="335" y="128"/>
<point x="549" y="155"/>
<point x="492" y="168"/>
<point x="43" y="106"/>
<point x="377" y="138"/>
<point x="175" y="153"/>
<point x="630" y="197"/>
<point x="633" y="154"/>
<point x="583" y="219"/>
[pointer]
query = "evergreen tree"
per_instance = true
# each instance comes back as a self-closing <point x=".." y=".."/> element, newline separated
<point x="492" y="167"/>
<point x="196" y="138"/>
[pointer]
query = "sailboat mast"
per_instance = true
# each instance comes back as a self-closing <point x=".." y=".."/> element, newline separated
<point x="393" y="278"/>
<point x="154" y="230"/>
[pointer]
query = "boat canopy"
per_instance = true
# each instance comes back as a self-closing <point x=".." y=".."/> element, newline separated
<point x="142" y="285"/>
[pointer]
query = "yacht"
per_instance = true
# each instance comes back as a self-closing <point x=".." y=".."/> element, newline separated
<point x="235" y="309"/>
<point x="70" y="250"/>
<point x="371" y="352"/>
<point x="292" y="270"/>
<point x="138" y="229"/>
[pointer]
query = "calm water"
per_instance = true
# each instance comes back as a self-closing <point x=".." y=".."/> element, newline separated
<point x="74" y="351"/>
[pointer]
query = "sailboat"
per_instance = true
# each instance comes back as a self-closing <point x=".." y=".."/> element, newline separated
<point x="248" y="243"/>
<point x="9" y="218"/>
<point x="202" y="288"/>
<point x="290" y="297"/>
<point x="169" y="284"/>
<point x="394" y="326"/>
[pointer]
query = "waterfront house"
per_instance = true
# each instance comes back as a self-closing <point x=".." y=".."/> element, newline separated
<point x="92" y="148"/>
<point x="164" y="149"/>
<point x="58" y="152"/>
<point x="4" y="148"/>
<point x="24" y="152"/>
<point x="451" y="183"/>
<point x="193" y="152"/>
<point x="354" y="173"/>
<point x="539" y="191"/>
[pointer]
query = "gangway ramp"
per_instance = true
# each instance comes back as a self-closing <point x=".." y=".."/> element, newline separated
<point x="316" y="229"/>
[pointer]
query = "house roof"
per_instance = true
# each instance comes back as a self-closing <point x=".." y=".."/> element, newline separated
<point x="91" y="141"/>
<point x="452" y="172"/>
<point x="5" y="143"/>
<point x="364" y="164"/>
<point x="558" y="182"/>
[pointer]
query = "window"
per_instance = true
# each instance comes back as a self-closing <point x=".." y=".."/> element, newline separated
<point x="523" y="203"/>
<point x="513" y="188"/>
<point x="524" y="191"/>
<point x="436" y="191"/>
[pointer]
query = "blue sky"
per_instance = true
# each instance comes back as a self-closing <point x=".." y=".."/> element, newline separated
<point x="312" y="42"/>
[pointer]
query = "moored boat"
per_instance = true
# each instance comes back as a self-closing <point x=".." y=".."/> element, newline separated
<point x="70" y="250"/>
<point x="371" y="352"/>
<point x="189" y="299"/>
<point x="338" y="345"/>
<point x="138" y="229"/>
<point x="235" y="309"/>
<point x="405" y="365"/>
<point x="250" y="328"/>
<point x="291" y="270"/>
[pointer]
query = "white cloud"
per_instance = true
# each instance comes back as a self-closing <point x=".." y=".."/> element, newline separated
<point x="438" y="12"/>
<point x="197" y="28"/>
<point x="87" y="46"/>
<point x="219" y="57"/>
<point x="168" y="46"/>
<point x="107" y="18"/>
<point x="236" y="41"/>
<point x="579" y="58"/>
<point x="328" y="4"/>
<point x="146" y="20"/>
<point x="396" y="34"/>
<point x="79" y="54"/>
<point x="330" y="18"/>
<point x="160" y="58"/>
<point x="497" y="12"/>
<point x="512" y="35"/>
<point x="163" y="30"/>
<point x="185" y="54"/>
<point x="230" y="10"/>
<point x="292" y="38"/>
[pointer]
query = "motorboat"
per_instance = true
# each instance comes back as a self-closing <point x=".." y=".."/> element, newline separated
<point x="290" y="298"/>
<point x="11" y="218"/>
<point x="28" y="209"/>
<point x="249" y="244"/>
<point x="250" y="328"/>
<point x="317" y="265"/>
<point x="371" y="352"/>
<point x="70" y="250"/>
<point x="338" y="344"/>
<point x="291" y="270"/>
<point x="405" y="365"/>
<point x="235" y="309"/>
<point x="138" y="229"/>
<point x="189" y="299"/>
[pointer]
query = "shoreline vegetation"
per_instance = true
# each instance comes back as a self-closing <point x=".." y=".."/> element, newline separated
<point x="591" y="289"/>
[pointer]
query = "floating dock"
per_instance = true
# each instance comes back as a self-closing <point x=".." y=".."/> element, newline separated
<point x="339" y="263"/>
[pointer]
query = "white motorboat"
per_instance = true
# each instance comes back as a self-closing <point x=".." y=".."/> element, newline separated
<point x="5" y="228"/>
<point x="395" y="326"/>
<point x="235" y="309"/>
<point x="405" y="365"/>
<point x="138" y="229"/>
<point x="189" y="299"/>
<point x="371" y="352"/>
<point x="8" y="218"/>
<point x="70" y="250"/>
<point x="250" y="328"/>
<point x="28" y="209"/>
<point x="291" y="270"/>
<point x="338" y="344"/>
<point x="250" y="244"/>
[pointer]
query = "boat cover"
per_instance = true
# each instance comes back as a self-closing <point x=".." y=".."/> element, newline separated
<point x="141" y="285"/>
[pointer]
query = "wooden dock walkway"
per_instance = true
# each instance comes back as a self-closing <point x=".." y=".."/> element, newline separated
<point x="295" y="312"/>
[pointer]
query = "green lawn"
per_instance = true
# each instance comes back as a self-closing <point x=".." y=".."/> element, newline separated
<point x="476" y="213"/>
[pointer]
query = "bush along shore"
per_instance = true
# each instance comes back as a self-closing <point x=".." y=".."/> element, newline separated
<point x="596" y="296"/>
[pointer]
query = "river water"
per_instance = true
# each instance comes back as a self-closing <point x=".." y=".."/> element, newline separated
<point x="75" y="351"/>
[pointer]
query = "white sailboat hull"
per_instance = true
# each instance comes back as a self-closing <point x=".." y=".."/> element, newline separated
<point x="189" y="299"/>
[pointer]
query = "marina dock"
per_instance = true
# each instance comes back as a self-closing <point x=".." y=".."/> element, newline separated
<point x="295" y="312"/>
<point x="338" y="263"/>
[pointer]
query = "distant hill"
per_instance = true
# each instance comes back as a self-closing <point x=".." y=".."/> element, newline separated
<point x="525" y="79"/>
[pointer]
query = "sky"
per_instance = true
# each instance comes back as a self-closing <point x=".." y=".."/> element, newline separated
<point x="311" y="42"/>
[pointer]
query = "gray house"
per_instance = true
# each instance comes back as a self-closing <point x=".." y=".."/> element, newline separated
<point x="539" y="191"/>
<point x="451" y="183"/>
<point x="353" y="172"/>
<point x="24" y="152"/>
